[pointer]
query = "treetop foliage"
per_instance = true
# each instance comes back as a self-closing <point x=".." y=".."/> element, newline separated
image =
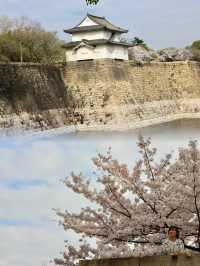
<point x="196" y="44"/>
<point x="195" y="48"/>
<point x="135" y="208"/>
<point x="24" y="40"/>
<point x="92" y="2"/>
<point x="140" y="42"/>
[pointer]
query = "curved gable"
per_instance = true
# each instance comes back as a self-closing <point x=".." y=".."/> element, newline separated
<point x="87" y="22"/>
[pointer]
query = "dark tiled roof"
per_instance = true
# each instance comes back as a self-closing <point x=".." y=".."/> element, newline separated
<point x="102" y="22"/>
<point x="84" y="29"/>
<point x="95" y="42"/>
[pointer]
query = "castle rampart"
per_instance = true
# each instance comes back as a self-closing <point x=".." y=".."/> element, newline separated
<point x="120" y="93"/>
<point x="106" y="94"/>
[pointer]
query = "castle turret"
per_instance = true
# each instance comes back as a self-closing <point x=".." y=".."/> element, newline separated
<point x="96" y="38"/>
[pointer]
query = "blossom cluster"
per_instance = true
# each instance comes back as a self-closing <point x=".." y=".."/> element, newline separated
<point x="135" y="208"/>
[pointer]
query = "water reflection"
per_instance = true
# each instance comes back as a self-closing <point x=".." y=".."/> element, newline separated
<point x="30" y="186"/>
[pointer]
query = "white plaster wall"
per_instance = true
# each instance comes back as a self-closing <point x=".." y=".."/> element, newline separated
<point x="116" y="37"/>
<point x="84" y="53"/>
<point x="87" y="22"/>
<point x="101" y="34"/>
<point x="100" y="52"/>
<point x="117" y="52"/>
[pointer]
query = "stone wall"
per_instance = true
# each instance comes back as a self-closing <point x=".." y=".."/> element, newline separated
<point x="32" y="96"/>
<point x="98" y="95"/>
<point x="29" y="88"/>
<point x="120" y="93"/>
<point x="146" y="261"/>
<point x="117" y="83"/>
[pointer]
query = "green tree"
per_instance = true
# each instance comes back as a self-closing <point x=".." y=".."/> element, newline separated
<point x="195" y="48"/>
<point x="25" y="40"/>
<point x="196" y="44"/>
<point x="139" y="42"/>
<point x="5" y="24"/>
<point x="92" y="2"/>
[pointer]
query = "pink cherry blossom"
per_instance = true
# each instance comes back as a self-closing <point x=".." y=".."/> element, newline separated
<point x="133" y="209"/>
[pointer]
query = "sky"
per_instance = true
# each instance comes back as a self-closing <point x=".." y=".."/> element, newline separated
<point x="32" y="168"/>
<point x="160" y="23"/>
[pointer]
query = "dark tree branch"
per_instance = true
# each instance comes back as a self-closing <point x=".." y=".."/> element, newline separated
<point x="171" y="212"/>
<point x="195" y="197"/>
<point x="192" y="248"/>
<point x="148" y="163"/>
<point x="119" y="202"/>
<point x="145" y="201"/>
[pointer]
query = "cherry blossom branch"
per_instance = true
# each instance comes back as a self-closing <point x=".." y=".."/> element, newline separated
<point x="148" y="162"/>
<point x="171" y="212"/>
<point x="120" y="203"/>
<point x="195" y="202"/>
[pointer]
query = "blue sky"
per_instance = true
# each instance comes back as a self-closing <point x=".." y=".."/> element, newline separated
<point x="160" y="23"/>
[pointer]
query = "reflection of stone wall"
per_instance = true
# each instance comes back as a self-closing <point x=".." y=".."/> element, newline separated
<point x="108" y="94"/>
<point x="146" y="261"/>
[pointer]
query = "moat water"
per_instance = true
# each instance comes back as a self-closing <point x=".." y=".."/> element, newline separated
<point x="32" y="168"/>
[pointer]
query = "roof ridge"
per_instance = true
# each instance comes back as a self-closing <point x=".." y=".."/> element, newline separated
<point x="99" y="22"/>
<point x="105" y="19"/>
<point x="90" y="15"/>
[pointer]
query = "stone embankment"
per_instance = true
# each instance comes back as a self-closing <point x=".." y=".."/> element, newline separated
<point x="119" y="95"/>
<point x="97" y="95"/>
<point x="146" y="261"/>
<point x="33" y="96"/>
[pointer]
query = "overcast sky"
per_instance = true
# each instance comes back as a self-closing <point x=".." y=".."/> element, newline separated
<point x="171" y="23"/>
<point x="31" y="169"/>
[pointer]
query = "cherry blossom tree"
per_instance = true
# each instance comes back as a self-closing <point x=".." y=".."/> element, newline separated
<point x="132" y="209"/>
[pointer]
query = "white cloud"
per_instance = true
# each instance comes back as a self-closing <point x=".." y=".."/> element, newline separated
<point x="30" y="245"/>
<point x="36" y="203"/>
